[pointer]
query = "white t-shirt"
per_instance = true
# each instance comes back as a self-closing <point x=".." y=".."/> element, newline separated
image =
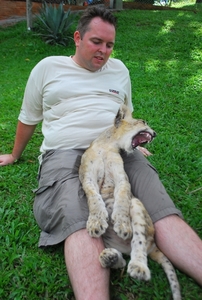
<point x="74" y="104"/>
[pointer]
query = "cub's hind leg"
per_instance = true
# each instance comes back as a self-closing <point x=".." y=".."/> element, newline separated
<point x="143" y="233"/>
<point x="111" y="258"/>
<point x="142" y="244"/>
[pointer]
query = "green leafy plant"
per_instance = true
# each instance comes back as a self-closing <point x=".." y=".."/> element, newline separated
<point x="53" y="24"/>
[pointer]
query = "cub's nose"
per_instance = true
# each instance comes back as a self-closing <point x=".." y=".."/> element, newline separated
<point x="154" y="134"/>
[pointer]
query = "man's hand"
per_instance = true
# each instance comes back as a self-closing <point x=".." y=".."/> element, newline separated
<point x="144" y="151"/>
<point x="6" y="159"/>
<point x="23" y="135"/>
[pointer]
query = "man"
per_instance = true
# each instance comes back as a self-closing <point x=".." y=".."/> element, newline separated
<point x="76" y="98"/>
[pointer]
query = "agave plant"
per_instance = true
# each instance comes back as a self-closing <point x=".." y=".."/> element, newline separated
<point x="53" y="24"/>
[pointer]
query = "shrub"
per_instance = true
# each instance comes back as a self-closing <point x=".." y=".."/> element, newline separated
<point x="53" y="24"/>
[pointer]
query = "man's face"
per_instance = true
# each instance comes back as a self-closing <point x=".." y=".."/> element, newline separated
<point x="94" y="49"/>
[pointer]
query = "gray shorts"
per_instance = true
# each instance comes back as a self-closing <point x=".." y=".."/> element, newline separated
<point x="60" y="205"/>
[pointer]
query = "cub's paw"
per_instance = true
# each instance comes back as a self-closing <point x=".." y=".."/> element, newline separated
<point x="122" y="225"/>
<point x="97" y="224"/>
<point x="139" y="271"/>
<point x="111" y="258"/>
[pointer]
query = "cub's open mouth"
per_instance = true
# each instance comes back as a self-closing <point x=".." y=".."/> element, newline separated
<point x="143" y="137"/>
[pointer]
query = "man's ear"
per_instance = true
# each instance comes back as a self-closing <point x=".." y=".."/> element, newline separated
<point x="77" y="38"/>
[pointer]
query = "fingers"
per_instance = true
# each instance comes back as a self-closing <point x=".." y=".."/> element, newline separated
<point x="144" y="151"/>
<point x="6" y="159"/>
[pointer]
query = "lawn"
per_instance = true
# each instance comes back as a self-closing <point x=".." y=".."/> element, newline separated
<point x="162" y="50"/>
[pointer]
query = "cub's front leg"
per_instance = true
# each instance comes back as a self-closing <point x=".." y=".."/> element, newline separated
<point x="91" y="180"/>
<point x="98" y="216"/>
<point x="121" y="211"/>
<point x="121" y="220"/>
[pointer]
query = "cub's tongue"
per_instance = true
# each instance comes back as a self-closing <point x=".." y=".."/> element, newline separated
<point x="141" y="138"/>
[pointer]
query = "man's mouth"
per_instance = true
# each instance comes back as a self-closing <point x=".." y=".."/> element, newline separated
<point x="99" y="58"/>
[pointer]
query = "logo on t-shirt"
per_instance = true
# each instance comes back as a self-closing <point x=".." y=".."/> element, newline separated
<point x="114" y="91"/>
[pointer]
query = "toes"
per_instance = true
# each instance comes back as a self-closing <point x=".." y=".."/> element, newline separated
<point x="112" y="258"/>
<point x="96" y="226"/>
<point x="123" y="230"/>
<point x="122" y="225"/>
<point x="139" y="271"/>
<point x="108" y="259"/>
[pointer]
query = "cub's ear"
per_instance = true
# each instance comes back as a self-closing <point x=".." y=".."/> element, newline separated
<point x="119" y="117"/>
<point x="123" y="113"/>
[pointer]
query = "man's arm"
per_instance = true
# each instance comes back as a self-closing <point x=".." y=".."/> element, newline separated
<point x="23" y="135"/>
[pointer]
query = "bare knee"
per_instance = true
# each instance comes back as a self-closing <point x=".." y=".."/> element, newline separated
<point x="168" y="222"/>
<point x="168" y="230"/>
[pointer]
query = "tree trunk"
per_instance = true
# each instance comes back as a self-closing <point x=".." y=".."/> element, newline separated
<point x="29" y="14"/>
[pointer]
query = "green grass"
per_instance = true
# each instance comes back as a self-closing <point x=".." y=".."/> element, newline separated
<point x="162" y="50"/>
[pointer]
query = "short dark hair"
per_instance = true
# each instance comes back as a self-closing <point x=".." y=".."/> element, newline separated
<point x="92" y="12"/>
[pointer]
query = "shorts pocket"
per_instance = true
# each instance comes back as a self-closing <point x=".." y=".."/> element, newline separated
<point x="41" y="189"/>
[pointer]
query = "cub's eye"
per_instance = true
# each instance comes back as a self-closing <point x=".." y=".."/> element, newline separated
<point x="143" y="121"/>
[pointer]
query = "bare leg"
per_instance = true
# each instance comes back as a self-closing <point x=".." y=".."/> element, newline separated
<point x="89" y="280"/>
<point x="181" y="245"/>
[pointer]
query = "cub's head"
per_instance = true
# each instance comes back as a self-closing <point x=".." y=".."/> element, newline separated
<point x="130" y="132"/>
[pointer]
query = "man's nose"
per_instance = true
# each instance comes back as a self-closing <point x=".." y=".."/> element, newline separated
<point x="103" y="48"/>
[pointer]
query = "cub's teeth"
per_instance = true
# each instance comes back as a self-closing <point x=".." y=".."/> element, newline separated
<point x="144" y="133"/>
